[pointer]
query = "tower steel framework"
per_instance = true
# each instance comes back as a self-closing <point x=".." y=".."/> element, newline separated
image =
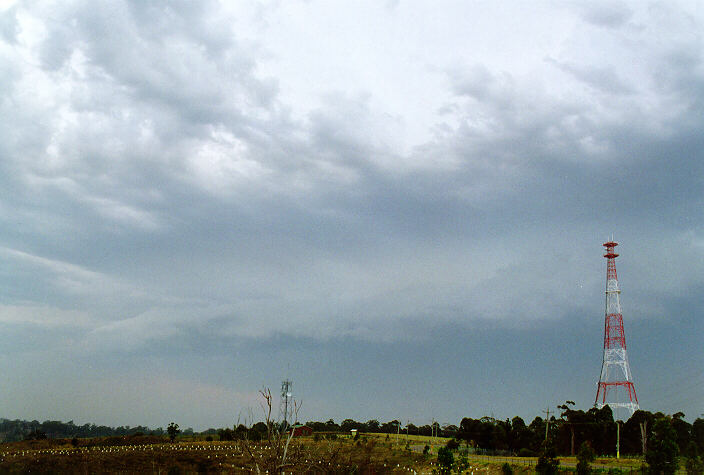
<point x="615" y="387"/>
<point x="286" y="401"/>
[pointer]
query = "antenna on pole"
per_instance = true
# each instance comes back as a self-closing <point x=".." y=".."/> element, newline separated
<point x="286" y="408"/>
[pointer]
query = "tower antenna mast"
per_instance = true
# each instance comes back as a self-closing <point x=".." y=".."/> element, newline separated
<point x="286" y="400"/>
<point x="615" y="387"/>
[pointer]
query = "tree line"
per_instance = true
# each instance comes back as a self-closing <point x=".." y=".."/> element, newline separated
<point x="571" y="428"/>
<point x="566" y="431"/>
<point x="390" y="427"/>
<point x="14" y="430"/>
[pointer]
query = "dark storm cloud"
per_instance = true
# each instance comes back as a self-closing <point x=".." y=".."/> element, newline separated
<point x="8" y="25"/>
<point x="601" y="78"/>
<point x="607" y="14"/>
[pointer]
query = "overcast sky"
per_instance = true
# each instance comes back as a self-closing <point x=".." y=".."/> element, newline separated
<point x="398" y="205"/>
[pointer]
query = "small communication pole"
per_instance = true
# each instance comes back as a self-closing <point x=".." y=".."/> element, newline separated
<point x="547" y="422"/>
<point x="643" y="434"/>
<point x="286" y="386"/>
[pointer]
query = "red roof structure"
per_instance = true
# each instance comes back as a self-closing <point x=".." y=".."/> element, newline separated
<point x="299" y="431"/>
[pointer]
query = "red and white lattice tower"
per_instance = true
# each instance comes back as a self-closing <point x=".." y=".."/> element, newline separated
<point x="615" y="383"/>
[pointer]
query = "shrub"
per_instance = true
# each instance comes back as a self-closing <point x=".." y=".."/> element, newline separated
<point x="694" y="465"/>
<point x="462" y="462"/>
<point x="547" y="462"/>
<point x="506" y="469"/>
<point x="452" y="444"/>
<point x="445" y="459"/>
<point x="226" y="434"/>
<point x="526" y="452"/>
<point x="585" y="457"/>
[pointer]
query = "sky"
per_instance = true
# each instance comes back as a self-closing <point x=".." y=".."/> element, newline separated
<point x="397" y="205"/>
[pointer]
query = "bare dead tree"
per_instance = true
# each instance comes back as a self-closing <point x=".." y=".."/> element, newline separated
<point x="296" y="408"/>
<point x="274" y="455"/>
<point x="266" y="407"/>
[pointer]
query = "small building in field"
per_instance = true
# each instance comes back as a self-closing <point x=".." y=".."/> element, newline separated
<point x="300" y="430"/>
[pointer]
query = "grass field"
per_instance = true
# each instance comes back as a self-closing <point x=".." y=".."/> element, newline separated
<point x="414" y="439"/>
<point x="372" y="453"/>
<point x="304" y="455"/>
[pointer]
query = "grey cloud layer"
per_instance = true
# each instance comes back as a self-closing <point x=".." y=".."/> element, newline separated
<point x="146" y="148"/>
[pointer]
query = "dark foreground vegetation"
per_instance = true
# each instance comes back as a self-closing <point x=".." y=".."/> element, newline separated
<point x="150" y="454"/>
<point x="573" y="427"/>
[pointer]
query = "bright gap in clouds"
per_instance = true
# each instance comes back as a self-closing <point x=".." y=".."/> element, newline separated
<point x="397" y="58"/>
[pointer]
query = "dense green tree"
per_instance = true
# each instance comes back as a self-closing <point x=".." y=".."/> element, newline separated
<point x="486" y="433"/>
<point x="683" y="430"/>
<point x="584" y="459"/>
<point x="698" y="434"/>
<point x="223" y="434"/>
<point x="372" y="426"/>
<point x="693" y="464"/>
<point x="173" y="431"/>
<point x="349" y="424"/>
<point x="260" y="428"/>
<point x="390" y="427"/>
<point x="569" y="415"/>
<point x="517" y="434"/>
<point x="547" y="462"/>
<point x="537" y="430"/>
<point x="240" y="432"/>
<point x="470" y="431"/>
<point x="36" y="434"/>
<point x="602" y="430"/>
<point x="449" y="430"/>
<point x="330" y="426"/>
<point x="662" y="448"/>
<point x="632" y="432"/>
